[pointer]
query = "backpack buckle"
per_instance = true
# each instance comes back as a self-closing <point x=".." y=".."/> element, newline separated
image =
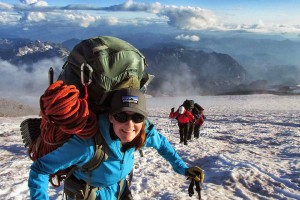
<point x="82" y="74"/>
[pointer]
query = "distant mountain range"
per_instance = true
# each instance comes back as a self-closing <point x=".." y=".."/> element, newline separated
<point x="264" y="57"/>
<point x="181" y="68"/>
<point x="182" y="71"/>
<point x="24" y="51"/>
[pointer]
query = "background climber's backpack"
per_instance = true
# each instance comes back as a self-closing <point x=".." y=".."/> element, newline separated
<point x="188" y="105"/>
<point x="196" y="110"/>
<point x="109" y="63"/>
<point x="94" y="69"/>
<point x="199" y="108"/>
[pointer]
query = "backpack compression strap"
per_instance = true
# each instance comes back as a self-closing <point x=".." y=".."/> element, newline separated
<point x="101" y="154"/>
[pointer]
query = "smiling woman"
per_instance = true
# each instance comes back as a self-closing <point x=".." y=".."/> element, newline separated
<point x="122" y="138"/>
<point x="127" y="117"/>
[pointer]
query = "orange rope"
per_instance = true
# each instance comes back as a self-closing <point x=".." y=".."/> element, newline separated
<point x="63" y="114"/>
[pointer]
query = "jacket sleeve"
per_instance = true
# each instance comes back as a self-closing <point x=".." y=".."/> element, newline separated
<point x="74" y="152"/>
<point x="173" y="115"/>
<point x="165" y="149"/>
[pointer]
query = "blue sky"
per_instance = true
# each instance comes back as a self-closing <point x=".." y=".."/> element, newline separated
<point x="257" y="16"/>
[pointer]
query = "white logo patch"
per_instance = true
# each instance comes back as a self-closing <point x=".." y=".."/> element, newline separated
<point x="130" y="99"/>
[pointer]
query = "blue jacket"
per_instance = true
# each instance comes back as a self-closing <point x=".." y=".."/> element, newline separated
<point x="78" y="151"/>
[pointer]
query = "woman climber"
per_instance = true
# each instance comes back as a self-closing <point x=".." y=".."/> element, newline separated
<point x="125" y="129"/>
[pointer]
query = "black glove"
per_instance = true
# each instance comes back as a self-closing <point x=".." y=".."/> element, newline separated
<point x="172" y="110"/>
<point x="195" y="173"/>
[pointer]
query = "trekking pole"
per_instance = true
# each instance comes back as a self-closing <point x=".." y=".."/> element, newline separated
<point x="191" y="188"/>
<point x="168" y="127"/>
<point x="50" y="75"/>
<point x="198" y="188"/>
<point x="141" y="152"/>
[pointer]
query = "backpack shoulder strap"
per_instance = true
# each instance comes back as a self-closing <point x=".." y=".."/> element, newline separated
<point x="101" y="154"/>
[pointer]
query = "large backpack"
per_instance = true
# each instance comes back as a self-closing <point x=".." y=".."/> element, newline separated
<point x="198" y="107"/>
<point x="106" y="63"/>
<point x="188" y="104"/>
<point x="96" y="67"/>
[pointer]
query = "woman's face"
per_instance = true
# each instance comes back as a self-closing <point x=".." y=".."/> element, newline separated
<point x="126" y="131"/>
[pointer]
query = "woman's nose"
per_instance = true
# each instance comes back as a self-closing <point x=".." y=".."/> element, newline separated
<point x="130" y="122"/>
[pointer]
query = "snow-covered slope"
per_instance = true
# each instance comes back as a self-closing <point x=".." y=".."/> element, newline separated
<point x="249" y="148"/>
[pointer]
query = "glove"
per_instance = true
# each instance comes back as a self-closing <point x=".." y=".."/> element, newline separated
<point x="195" y="173"/>
<point x="172" y="110"/>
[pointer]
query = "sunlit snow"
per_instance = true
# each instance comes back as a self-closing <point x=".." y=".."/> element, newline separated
<point x="249" y="148"/>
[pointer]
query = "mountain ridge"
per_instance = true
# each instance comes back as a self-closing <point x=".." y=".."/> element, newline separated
<point x="26" y="52"/>
<point x="179" y="68"/>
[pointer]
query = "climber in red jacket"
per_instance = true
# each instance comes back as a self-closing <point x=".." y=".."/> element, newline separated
<point x="183" y="117"/>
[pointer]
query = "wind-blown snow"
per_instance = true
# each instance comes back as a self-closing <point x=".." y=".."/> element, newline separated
<point x="249" y="148"/>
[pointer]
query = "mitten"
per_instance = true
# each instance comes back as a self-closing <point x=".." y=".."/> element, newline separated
<point x="195" y="173"/>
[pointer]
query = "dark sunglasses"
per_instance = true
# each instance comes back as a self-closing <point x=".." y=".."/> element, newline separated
<point x="123" y="117"/>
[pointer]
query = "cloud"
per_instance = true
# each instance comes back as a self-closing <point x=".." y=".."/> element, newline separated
<point x="84" y="20"/>
<point x="8" y="19"/>
<point x="180" y="82"/>
<point x="193" y="38"/>
<point x="37" y="12"/>
<point x="130" y="5"/>
<point x="262" y="27"/>
<point x="34" y="16"/>
<point x="5" y="6"/>
<point x="189" y="18"/>
<point x="23" y="86"/>
<point x="34" y="3"/>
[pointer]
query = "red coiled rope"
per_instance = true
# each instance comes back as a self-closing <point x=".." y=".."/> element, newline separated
<point x="63" y="114"/>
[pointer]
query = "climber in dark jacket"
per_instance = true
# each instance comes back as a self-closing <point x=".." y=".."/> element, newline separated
<point x="199" y="119"/>
<point x="198" y="123"/>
